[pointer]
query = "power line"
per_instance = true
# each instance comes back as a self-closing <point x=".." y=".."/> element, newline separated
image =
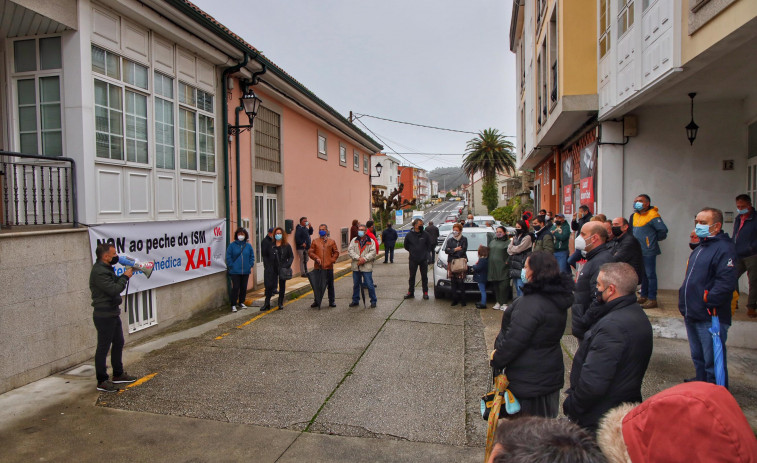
<point x="358" y="115"/>
<point x="387" y="145"/>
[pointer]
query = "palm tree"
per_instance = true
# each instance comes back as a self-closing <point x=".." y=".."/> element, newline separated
<point x="490" y="153"/>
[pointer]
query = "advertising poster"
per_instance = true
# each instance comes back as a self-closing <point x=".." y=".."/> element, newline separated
<point x="567" y="186"/>
<point x="588" y="159"/>
<point x="181" y="250"/>
<point x="398" y="217"/>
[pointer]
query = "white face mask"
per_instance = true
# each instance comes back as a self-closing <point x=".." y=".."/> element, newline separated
<point x="580" y="243"/>
<point x="455" y="233"/>
<point x="240" y="237"/>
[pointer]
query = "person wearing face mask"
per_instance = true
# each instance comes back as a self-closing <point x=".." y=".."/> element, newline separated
<point x="592" y="245"/>
<point x="612" y="358"/>
<point x="544" y="240"/>
<point x="389" y="238"/>
<point x="239" y="261"/>
<point x="106" y="288"/>
<point x="419" y="244"/>
<point x="745" y="239"/>
<point x="627" y="248"/>
<point x="561" y="234"/>
<point x="528" y="343"/>
<point x="711" y="277"/>
<point x="302" y="239"/>
<point x="469" y="222"/>
<point x="519" y="249"/>
<point x="456" y="247"/>
<point x="499" y="268"/>
<point x="280" y="256"/>
<point x="582" y="217"/>
<point x="324" y="253"/>
<point x="362" y="251"/>
<point x="647" y="226"/>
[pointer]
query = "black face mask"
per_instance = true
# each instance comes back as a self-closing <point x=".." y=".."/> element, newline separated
<point x="598" y="296"/>
<point x="420" y="228"/>
<point x="616" y="231"/>
<point x="537" y="228"/>
<point x="114" y="260"/>
<point x="693" y="245"/>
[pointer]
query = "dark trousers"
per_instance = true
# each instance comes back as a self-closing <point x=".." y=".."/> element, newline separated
<point x="388" y="253"/>
<point x="458" y="288"/>
<point x="329" y="286"/>
<point x="414" y="267"/>
<point x="270" y="286"/>
<point x="546" y="405"/>
<point x="239" y="288"/>
<point x="501" y="291"/>
<point x="110" y="336"/>
<point x="749" y="265"/>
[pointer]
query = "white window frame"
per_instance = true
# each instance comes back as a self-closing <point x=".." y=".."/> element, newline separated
<point x="356" y="160"/>
<point x="604" y="29"/>
<point x="342" y="154"/>
<point x="322" y="147"/>
<point x="626" y="12"/>
<point x="136" y="311"/>
<point x="366" y="165"/>
<point x="174" y="117"/>
<point x="194" y="108"/>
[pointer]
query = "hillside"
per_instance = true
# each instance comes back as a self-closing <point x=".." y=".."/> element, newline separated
<point x="449" y="178"/>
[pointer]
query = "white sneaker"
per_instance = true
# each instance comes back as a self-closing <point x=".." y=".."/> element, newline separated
<point x="503" y="307"/>
<point x="242" y="306"/>
<point x="233" y="308"/>
<point x="496" y="306"/>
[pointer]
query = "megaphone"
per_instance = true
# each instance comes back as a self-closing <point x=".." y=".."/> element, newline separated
<point x="144" y="267"/>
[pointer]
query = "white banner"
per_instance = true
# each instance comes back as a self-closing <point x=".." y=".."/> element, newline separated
<point x="181" y="249"/>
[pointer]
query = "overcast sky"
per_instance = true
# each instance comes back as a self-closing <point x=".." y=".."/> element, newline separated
<point x="444" y="63"/>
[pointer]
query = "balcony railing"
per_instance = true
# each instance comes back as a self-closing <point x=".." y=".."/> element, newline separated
<point x="37" y="190"/>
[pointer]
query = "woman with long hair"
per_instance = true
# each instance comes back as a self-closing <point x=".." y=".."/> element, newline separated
<point x="528" y="343"/>
<point x="456" y="248"/>
<point x="519" y="250"/>
<point x="239" y="261"/>
<point x="281" y="256"/>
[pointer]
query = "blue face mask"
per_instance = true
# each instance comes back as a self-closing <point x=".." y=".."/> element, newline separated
<point x="638" y="205"/>
<point x="278" y="236"/>
<point x="360" y="233"/>
<point x="322" y="232"/>
<point x="702" y="231"/>
<point x="743" y="211"/>
<point x="523" y="275"/>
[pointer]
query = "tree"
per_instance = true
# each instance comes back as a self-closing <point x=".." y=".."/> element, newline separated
<point x="489" y="154"/>
<point x="489" y="195"/>
<point x="386" y="205"/>
<point x="448" y="195"/>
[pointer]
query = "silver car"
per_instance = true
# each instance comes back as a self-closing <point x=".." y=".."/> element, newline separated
<point x="477" y="236"/>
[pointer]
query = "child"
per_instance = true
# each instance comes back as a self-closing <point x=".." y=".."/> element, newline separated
<point x="480" y="274"/>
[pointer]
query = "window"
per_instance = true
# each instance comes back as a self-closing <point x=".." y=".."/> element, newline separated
<point x="37" y="64"/>
<point x="342" y="155"/>
<point x="625" y="17"/>
<point x="366" y="164"/>
<point x="268" y="140"/>
<point x="322" y="145"/>
<point x="645" y="4"/>
<point x="356" y="161"/>
<point x="141" y="307"/>
<point x="108" y="115"/>
<point x="196" y="130"/>
<point x="187" y="145"/>
<point x="604" y="27"/>
<point x="164" y="123"/>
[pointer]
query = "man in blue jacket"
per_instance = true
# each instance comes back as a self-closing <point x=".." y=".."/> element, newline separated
<point x="707" y="290"/>
<point x="745" y="239"/>
<point x="302" y="234"/>
<point x="649" y="229"/>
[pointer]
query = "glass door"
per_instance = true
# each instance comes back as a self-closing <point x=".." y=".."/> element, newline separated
<point x="266" y="214"/>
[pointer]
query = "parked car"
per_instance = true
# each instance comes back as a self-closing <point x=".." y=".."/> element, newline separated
<point x="444" y="230"/>
<point x="452" y="218"/>
<point x="477" y="236"/>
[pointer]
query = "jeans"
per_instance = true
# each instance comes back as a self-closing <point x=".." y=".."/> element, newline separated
<point x="110" y="336"/>
<point x="518" y="286"/>
<point x="575" y="257"/>
<point x="649" y="282"/>
<point x="303" y="253"/>
<point x="749" y="265"/>
<point x="367" y="281"/>
<point x="329" y="286"/>
<point x="482" y="289"/>
<point x="415" y="266"/>
<point x="562" y="261"/>
<point x="702" y="353"/>
<point x="239" y="288"/>
<point x="388" y="253"/>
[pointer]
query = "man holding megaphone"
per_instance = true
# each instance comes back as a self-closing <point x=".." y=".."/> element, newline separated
<point x="106" y="288"/>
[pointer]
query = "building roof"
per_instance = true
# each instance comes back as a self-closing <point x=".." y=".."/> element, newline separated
<point x="209" y="22"/>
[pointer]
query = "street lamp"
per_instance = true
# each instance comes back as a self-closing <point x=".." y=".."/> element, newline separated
<point x="250" y="103"/>
<point x="692" y="127"/>
<point x="378" y="170"/>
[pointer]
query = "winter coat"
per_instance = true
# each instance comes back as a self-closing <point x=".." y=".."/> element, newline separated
<point x="433" y="231"/>
<point x="649" y="229"/>
<point x="585" y="285"/>
<point x="266" y="251"/>
<point x="325" y="251"/>
<point x="367" y="251"/>
<point x="519" y="249"/>
<point x="389" y="237"/>
<point x="453" y="243"/>
<point x="371" y="235"/>
<point x="715" y="429"/>
<point x="106" y="288"/>
<point x="240" y="258"/>
<point x="278" y="257"/>
<point x="528" y="343"/>
<point x="611" y="360"/>
<point x="561" y="233"/>
<point x="302" y="236"/>
<point x="577" y="223"/>
<point x="745" y="236"/>
<point x="499" y="260"/>
<point x="419" y="245"/>
<point x="626" y="248"/>
<point x="711" y="277"/>
<point x="481" y="270"/>
<point x="544" y="241"/>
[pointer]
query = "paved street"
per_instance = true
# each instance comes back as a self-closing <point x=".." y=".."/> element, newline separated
<point x="437" y="213"/>
<point x="397" y="383"/>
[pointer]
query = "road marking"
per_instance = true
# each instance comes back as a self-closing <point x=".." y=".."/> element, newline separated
<point x="222" y="336"/>
<point x="139" y="382"/>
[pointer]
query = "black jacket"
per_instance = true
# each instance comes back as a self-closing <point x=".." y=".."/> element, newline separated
<point x="626" y="248"/>
<point x="389" y="236"/>
<point x="302" y="236"/>
<point x="106" y="288"/>
<point x="745" y="236"/>
<point x="267" y="253"/>
<point x="528" y="344"/>
<point x="433" y="231"/>
<point x="610" y="363"/>
<point x="576" y="225"/>
<point x="585" y="285"/>
<point x="419" y="245"/>
<point x="452" y="243"/>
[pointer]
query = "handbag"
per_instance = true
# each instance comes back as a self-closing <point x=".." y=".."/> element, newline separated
<point x="285" y="273"/>
<point x="459" y="265"/>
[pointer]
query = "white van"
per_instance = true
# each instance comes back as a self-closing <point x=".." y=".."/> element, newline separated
<point x="417" y="215"/>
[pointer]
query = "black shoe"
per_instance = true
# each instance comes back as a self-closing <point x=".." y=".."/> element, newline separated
<point x="373" y="305"/>
<point x="454" y="303"/>
<point x="314" y="305"/>
<point x="331" y="304"/>
<point x="409" y="296"/>
<point x="123" y="378"/>
<point x="353" y="304"/>
<point x="107" y="386"/>
<point x="480" y="306"/>
<point x="463" y="304"/>
<point x="688" y="380"/>
<point x="386" y="261"/>
<point x="425" y="296"/>
<point x="265" y="307"/>
<point x="275" y="291"/>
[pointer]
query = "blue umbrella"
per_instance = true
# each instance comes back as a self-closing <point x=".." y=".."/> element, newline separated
<point x="717" y="349"/>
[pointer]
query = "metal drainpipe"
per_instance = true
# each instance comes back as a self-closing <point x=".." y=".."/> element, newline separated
<point x="237" y="110"/>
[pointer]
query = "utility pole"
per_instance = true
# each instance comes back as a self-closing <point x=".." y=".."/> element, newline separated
<point x="350" y="117"/>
